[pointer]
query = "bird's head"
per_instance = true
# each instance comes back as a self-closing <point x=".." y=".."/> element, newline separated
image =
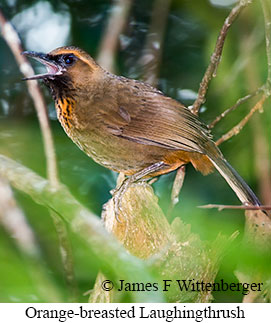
<point x="64" y="62"/>
<point x="70" y="71"/>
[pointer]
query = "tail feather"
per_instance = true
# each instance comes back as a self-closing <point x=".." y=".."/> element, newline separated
<point x="236" y="182"/>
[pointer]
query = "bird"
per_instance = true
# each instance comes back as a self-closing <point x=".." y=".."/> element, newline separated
<point x="129" y="126"/>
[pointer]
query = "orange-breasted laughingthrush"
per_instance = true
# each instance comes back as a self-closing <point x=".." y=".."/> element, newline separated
<point x="129" y="126"/>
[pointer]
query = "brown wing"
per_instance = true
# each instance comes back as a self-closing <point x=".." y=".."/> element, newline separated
<point x="143" y="114"/>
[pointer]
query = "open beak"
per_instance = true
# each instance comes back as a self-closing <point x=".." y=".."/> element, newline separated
<point x="53" y="68"/>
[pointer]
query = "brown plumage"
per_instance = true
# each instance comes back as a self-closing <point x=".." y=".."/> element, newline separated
<point x="129" y="126"/>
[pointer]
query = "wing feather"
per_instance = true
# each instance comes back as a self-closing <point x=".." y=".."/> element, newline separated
<point x="145" y="115"/>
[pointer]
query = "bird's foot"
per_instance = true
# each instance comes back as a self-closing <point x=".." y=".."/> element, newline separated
<point x="117" y="195"/>
<point x="123" y="185"/>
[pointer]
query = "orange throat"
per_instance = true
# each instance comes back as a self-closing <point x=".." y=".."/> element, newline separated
<point x="65" y="108"/>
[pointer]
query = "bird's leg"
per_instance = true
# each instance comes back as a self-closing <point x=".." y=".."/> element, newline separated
<point x="120" y="191"/>
<point x="176" y="188"/>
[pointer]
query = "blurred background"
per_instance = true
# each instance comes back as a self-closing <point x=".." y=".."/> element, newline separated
<point x="191" y="29"/>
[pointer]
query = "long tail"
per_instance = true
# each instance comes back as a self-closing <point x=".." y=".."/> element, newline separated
<point x="236" y="182"/>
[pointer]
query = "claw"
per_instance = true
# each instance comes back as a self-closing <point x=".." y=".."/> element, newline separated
<point x="113" y="191"/>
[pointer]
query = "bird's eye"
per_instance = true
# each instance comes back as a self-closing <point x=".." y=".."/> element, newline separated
<point x="68" y="59"/>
